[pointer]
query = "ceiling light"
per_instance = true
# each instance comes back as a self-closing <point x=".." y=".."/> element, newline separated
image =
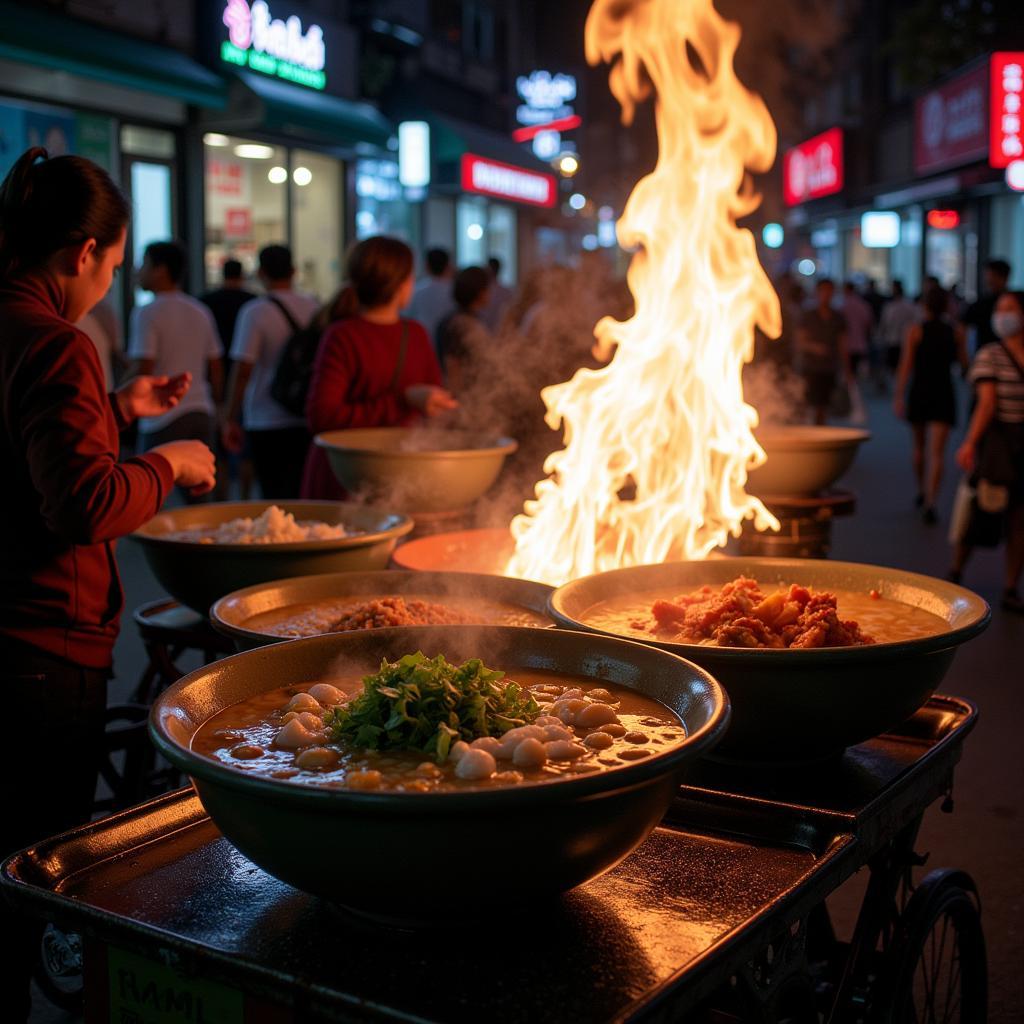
<point x="302" y="175"/>
<point x="215" y="139"/>
<point x="277" y="175"/>
<point x="568" y="165"/>
<point x="254" y="151"/>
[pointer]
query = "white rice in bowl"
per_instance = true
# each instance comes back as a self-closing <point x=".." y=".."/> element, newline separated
<point x="272" y="526"/>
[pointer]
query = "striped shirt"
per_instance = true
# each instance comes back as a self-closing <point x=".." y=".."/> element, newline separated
<point x="994" y="362"/>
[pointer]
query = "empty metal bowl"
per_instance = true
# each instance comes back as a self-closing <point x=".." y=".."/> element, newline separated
<point x="197" y="574"/>
<point x="233" y="613"/>
<point x="803" y="460"/>
<point x="424" y="857"/>
<point x="796" y="705"/>
<point x="412" y="470"/>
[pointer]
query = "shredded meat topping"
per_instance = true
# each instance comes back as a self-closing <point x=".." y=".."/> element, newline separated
<point x="396" y="611"/>
<point x="740" y="615"/>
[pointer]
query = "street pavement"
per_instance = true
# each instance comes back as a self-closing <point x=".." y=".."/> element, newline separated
<point x="985" y="833"/>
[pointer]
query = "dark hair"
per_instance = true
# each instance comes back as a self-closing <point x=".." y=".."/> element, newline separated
<point x="232" y="270"/>
<point x="495" y="264"/>
<point x="437" y="261"/>
<point x="936" y="301"/>
<point x="469" y="285"/>
<point x="169" y="255"/>
<point x="1018" y="297"/>
<point x="897" y="287"/>
<point x="276" y="262"/>
<point x="375" y="269"/>
<point x="47" y="206"/>
<point x="1000" y="267"/>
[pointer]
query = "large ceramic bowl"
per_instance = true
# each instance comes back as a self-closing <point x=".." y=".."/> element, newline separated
<point x="803" y="460"/>
<point x="796" y="705"/>
<point x="415" y="470"/>
<point x="197" y="574"/>
<point x="433" y="857"/>
<point x="233" y="614"/>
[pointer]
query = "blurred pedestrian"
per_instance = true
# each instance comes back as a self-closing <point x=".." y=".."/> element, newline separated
<point x="432" y="299"/>
<point x="373" y="368"/>
<point x="226" y="302"/>
<point x="898" y="315"/>
<point x="979" y="314"/>
<point x="823" y="356"/>
<point x="102" y="327"/>
<point x="498" y="298"/>
<point x="860" y="322"/>
<point x="874" y="298"/>
<point x="463" y="334"/>
<point x="172" y="335"/>
<point x="993" y="450"/>
<point x="278" y="437"/>
<point x="925" y="394"/>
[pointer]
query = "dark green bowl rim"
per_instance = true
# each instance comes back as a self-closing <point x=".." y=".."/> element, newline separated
<point x="401" y="525"/>
<point x="561" y="791"/>
<point x="501" y="446"/>
<point x="819" y="656"/>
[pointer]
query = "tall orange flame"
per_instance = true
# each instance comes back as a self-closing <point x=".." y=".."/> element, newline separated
<point x="658" y="441"/>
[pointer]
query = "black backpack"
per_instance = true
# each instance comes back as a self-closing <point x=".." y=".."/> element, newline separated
<point x="294" y="372"/>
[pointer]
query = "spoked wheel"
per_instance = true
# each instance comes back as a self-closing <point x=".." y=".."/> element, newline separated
<point x="936" y="971"/>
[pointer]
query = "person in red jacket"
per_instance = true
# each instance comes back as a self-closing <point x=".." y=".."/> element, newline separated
<point x="66" y="500"/>
<point x="372" y="369"/>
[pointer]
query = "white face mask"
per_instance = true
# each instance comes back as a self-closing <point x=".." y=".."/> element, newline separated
<point x="1006" y="325"/>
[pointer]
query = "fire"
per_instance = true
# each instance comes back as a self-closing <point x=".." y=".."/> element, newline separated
<point x="659" y="440"/>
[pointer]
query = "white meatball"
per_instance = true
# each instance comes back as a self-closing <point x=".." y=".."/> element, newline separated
<point x="564" y="750"/>
<point x="317" y="757"/>
<point x="303" y="702"/>
<point x="458" y="749"/>
<point x="295" y="735"/>
<point x="530" y="755"/>
<point x="326" y="694"/>
<point x="567" y="709"/>
<point x="573" y="693"/>
<point x="475" y="764"/>
<point x="556" y="732"/>
<point x="596" y="714"/>
<point x="544" y="720"/>
<point x="489" y="743"/>
<point x="523" y="732"/>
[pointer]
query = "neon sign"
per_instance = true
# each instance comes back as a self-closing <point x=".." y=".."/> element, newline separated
<point x="272" y="46"/>
<point x="492" y="178"/>
<point x="1006" y="129"/>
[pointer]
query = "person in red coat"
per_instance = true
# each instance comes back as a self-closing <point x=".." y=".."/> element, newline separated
<point x="66" y="500"/>
<point x="373" y="368"/>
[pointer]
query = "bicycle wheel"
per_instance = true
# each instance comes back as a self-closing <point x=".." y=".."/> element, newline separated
<point x="936" y="970"/>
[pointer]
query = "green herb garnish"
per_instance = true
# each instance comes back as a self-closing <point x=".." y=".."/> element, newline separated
<point x="419" y="703"/>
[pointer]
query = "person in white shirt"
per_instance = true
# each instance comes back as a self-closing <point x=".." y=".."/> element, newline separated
<point x="898" y="314"/>
<point x="279" y="439"/>
<point x="432" y="300"/>
<point x="176" y="334"/>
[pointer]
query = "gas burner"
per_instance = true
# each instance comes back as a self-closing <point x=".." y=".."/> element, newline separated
<point x="805" y="525"/>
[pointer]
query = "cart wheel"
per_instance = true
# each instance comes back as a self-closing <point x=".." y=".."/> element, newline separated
<point x="59" y="970"/>
<point x="936" y="970"/>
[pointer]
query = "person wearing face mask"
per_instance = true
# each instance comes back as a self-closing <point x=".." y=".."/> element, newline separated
<point x="993" y="450"/>
<point x="67" y="498"/>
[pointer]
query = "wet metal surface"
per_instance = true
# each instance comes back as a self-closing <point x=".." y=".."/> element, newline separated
<point x="667" y="924"/>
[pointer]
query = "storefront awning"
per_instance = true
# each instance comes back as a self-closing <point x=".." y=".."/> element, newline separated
<point x="64" y="44"/>
<point x="450" y="138"/>
<point x="303" y="114"/>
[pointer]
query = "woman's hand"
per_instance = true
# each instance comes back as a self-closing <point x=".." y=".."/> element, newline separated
<point x="151" y="396"/>
<point x="194" y="465"/>
<point x="430" y="400"/>
<point x="966" y="456"/>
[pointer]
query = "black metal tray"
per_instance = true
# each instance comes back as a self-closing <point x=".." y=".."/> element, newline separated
<point x="169" y="906"/>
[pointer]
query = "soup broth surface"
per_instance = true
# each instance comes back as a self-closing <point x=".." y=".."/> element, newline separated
<point x="883" y="619"/>
<point x="311" y="618"/>
<point x="626" y="727"/>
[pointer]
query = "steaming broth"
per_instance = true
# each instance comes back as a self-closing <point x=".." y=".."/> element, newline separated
<point x="311" y="618"/>
<point x="885" y="620"/>
<point x="243" y="737"/>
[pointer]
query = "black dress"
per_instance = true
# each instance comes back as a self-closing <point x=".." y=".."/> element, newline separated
<point x="930" y="397"/>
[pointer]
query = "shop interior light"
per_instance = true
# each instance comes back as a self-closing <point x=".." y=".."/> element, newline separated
<point x="277" y="175"/>
<point x="577" y="200"/>
<point x="773" y="235"/>
<point x="943" y="220"/>
<point x="1015" y="175"/>
<point x="302" y="175"/>
<point x="474" y="232"/>
<point x="880" y="229"/>
<point x="807" y="267"/>
<point x="568" y="165"/>
<point x="254" y="151"/>
<point x="590" y="242"/>
<point x="216" y="139"/>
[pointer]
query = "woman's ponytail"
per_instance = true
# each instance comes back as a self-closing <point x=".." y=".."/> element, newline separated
<point x="46" y="205"/>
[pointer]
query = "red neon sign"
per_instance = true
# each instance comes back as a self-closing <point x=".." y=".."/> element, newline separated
<point x="504" y="181"/>
<point x="563" y="124"/>
<point x="943" y="220"/>
<point x="1006" y="99"/>
<point x="814" y="168"/>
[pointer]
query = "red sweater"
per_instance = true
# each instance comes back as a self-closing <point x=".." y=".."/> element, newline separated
<point x="352" y="387"/>
<point x="66" y="497"/>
